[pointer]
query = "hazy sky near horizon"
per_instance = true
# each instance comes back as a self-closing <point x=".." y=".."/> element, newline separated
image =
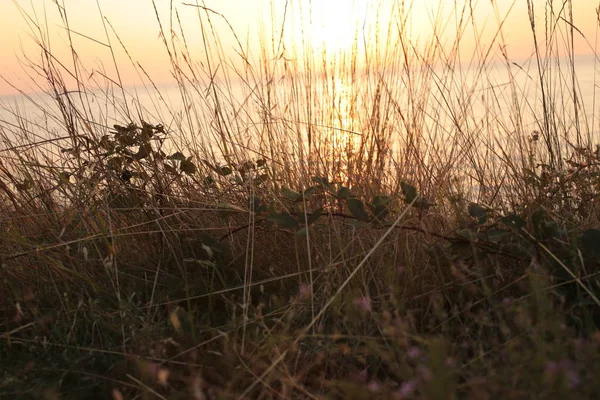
<point x="332" y="23"/>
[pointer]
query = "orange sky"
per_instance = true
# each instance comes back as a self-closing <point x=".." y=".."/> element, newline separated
<point x="333" y="22"/>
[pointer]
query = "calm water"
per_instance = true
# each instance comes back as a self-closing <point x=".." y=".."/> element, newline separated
<point x="471" y="98"/>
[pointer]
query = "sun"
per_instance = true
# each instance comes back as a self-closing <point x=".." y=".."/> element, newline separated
<point x="334" y="25"/>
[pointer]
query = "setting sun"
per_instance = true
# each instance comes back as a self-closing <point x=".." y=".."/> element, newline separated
<point x="335" y="25"/>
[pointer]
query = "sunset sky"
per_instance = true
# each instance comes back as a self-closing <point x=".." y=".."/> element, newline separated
<point x="332" y="23"/>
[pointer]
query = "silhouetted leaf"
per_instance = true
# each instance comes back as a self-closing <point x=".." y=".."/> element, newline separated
<point x="379" y="207"/>
<point x="379" y="212"/>
<point x="302" y="231"/>
<point x="466" y="234"/>
<point x="478" y="212"/>
<point x="309" y="191"/>
<point x="105" y="143"/>
<point x="261" y="179"/>
<point x="291" y="194"/>
<point x="409" y="191"/>
<point x="126" y="175"/>
<point x="381" y="200"/>
<point x="423" y="203"/>
<point x="343" y="192"/>
<point x="357" y="209"/>
<point x="187" y="167"/>
<point x="496" y="235"/>
<point x="64" y="177"/>
<point x="323" y="182"/>
<point x="228" y="207"/>
<point x="261" y="163"/>
<point x="26" y="185"/>
<point x="358" y="224"/>
<point x="513" y="221"/>
<point x="178" y="156"/>
<point x="246" y="167"/>
<point x="543" y="226"/>
<point x="115" y="163"/>
<point x="284" y="220"/>
<point x="312" y="218"/>
<point x="438" y="255"/>
<point x="590" y="241"/>
<point x="208" y="180"/>
<point x="223" y="171"/>
<point x="143" y="152"/>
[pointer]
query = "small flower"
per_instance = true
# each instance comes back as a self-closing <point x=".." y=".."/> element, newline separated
<point x="362" y="376"/>
<point x="374" y="386"/>
<point x="424" y="373"/>
<point x="406" y="389"/>
<point x="304" y="291"/>
<point x="551" y="367"/>
<point x="573" y="379"/>
<point x="450" y="362"/>
<point x="565" y="368"/>
<point x="364" y="303"/>
<point x="413" y="353"/>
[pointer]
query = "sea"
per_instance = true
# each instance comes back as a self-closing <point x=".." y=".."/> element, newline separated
<point x="497" y="100"/>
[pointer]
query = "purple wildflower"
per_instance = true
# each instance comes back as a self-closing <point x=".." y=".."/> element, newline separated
<point x="413" y="352"/>
<point x="364" y="303"/>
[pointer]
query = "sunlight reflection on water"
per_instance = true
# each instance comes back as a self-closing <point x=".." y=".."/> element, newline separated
<point x="336" y="117"/>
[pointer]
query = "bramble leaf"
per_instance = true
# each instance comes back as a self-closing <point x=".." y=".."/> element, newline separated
<point x="357" y="209"/>
<point x="478" y="212"/>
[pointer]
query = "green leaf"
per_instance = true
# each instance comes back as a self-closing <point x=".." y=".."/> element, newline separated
<point x="379" y="207"/>
<point x="312" y="218"/>
<point x="261" y="179"/>
<point x="260" y="209"/>
<point x="208" y="180"/>
<point x="343" y="192"/>
<point x="291" y="194"/>
<point x="409" y="191"/>
<point x="379" y="212"/>
<point x="358" y="224"/>
<point x="423" y="203"/>
<point x="284" y="220"/>
<point x="144" y="151"/>
<point x="466" y="234"/>
<point x="302" y="231"/>
<point x="178" y="156"/>
<point x="187" y="166"/>
<point x="223" y="171"/>
<point x="246" y="167"/>
<point x="309" y="191"/>
<point x="478" y="212"/>
<point x="26" y="185"/>
<point x="115" y="163"/>
<point x="64" y="177"/>
<point x="323" y="182"/>
<point x="496" y="235"/>
<point x="381" y="200"/>
<point x="543" y="226"/>
<point x="228" y="207"/>
<point x="357" y="209"/>
<point x="513" y="221"/>
<point x="590" y="240"/>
